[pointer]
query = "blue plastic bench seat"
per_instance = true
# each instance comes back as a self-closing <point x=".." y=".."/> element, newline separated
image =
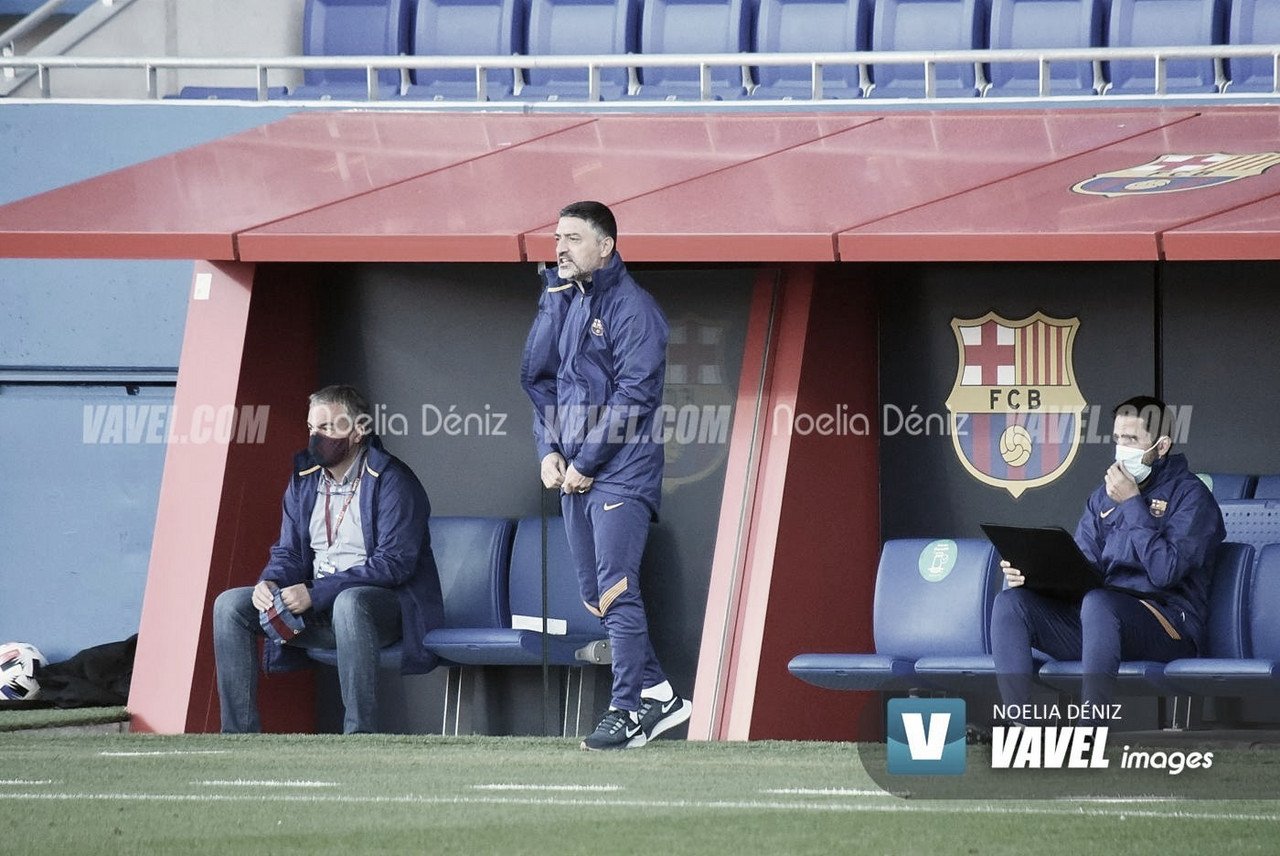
<point x="518" y="641"/>
<point x="932" y="598"/>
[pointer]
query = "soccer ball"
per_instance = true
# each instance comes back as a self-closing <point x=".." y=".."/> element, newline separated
<point x="19" y="662"/>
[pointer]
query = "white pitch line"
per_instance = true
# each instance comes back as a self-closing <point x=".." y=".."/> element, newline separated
<point x="27" y="782"/>
<point x="167" y="752"/>
<point x="587" y="788"/>
<point x="825" y="792"/>
<point x="263" y="783"/>
<point x="743" y="805"/>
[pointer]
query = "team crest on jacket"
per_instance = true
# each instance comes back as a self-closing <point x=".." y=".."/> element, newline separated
<point x="1172" y="173"/>
<point x="1158" y="507"/>
<point x="597" y="327"/>
<point x="1015" y="407"/>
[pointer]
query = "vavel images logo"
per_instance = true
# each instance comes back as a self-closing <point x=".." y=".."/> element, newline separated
<point x="926" y="736"/>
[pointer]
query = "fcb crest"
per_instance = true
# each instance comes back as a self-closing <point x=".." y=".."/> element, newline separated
<point x="1015" y="407"/>
<point x="1173" y="173"/>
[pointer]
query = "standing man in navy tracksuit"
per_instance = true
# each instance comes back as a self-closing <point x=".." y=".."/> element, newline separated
<point x="594" y="366"/>
<point x="1152" y="528"/>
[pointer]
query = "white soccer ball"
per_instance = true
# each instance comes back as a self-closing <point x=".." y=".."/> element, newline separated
<point x="19" y="662"/>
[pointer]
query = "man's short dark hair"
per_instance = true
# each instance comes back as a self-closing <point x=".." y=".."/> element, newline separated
<point x="595" y="213"/>
<point x="1156" y="417"/>
<point x="349" y="397"/>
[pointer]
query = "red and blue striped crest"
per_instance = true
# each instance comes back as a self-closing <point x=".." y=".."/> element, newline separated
<point x="1015" y="407"/>
<point x="1174" y="172"/>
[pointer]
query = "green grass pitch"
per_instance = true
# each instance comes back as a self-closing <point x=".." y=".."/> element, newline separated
<point x="283" y="794"/>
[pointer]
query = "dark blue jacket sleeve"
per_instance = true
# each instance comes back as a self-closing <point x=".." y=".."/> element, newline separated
<point x="1182" y="544"/>
<point x="639" y="363"/>
<point x="401" y="526"/>
<point x="540" y="365"/>
<point x="287" y="564"/>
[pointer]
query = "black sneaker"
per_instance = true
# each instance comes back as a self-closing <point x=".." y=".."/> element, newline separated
<point x="659" y="716"/>
<point x="617" y="730"/>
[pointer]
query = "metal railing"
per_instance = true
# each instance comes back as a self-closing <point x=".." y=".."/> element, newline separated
<point x="259" y="68"/>
<point x="86" y="20"/>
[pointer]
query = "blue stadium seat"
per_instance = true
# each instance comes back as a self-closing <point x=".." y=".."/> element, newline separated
<point x="807" y="26"/>
<point x="229" y="93"/>
<point x="1242" y="656"/>
<point x="583" y="27"/>
<point x="352" y="28"/>
<point x="1224" y="633"/>
<point x="1165" y="23"/>
<point x="516" y="641"/>
<point x="1267" y="487"/>
<point x="465" y="28"/>
<point x="1253" y="22"/>
<point x="923" y="607"/>
<point x="472" y="556"/>
<point x="1229" y="485"/>
<point x="927" y="25"/>
<point x="1032" y="24"/>
<point x="1255" y="522"/>
<point x="693" y="27"/>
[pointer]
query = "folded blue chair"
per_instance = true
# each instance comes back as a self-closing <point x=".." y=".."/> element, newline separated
<point x="1253" y="22"/>
<point x="517" y="641"/>
<point x="582" y="27"/>
<point x="1255" y="522"/>
<point x="1229" y="485"/>
<point x="352" y="28"/>
<point x="473" y="555"/>
<point x="1224" y="632"/>
<point x="1266" y="487"/>
<point x="1242" y="657"/>
<point x="927" y="25"/>
<point x="465" y="28"/>
<point x="1165" y="23"/>
<point x="1041" y="24"/>
<point x="810" y="26"/>
<point x="693" y="27"/>
<point x="229" y="93"/>
<point x="932" y="598"/>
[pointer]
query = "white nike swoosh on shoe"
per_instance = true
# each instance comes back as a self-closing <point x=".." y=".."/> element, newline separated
<point x="611" y="506"/>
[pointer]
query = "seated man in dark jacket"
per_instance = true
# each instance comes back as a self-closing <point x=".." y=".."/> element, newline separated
<point x="1152" y="528"/>
<point x="353" y="561"/>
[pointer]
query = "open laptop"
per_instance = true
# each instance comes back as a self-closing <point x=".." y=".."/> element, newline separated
<point x="1048" y="557"/>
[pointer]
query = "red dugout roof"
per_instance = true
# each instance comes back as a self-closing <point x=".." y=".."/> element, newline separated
<point x="952" y="185"/>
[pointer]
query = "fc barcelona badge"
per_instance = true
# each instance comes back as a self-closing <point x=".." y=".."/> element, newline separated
<point x="1158" y="507"/>
<point x="597" y="327"/>
<point x="1173" y="173"/>
<point x="1015" y="407"/>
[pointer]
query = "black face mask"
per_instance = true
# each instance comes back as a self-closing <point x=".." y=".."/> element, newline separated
<point x="329" y="450"/>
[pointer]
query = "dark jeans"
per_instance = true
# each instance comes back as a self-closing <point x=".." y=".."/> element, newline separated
<point x="363" y="620"/>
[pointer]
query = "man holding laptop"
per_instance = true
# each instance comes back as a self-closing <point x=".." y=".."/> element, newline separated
<point x="1151" y="529"/>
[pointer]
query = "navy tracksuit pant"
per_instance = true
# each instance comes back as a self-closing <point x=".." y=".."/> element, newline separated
<point x="606" y="538"/>
<point x="1101" y="630"/>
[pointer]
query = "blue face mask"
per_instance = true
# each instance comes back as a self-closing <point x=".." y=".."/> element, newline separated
<point x="1131" y="459"/>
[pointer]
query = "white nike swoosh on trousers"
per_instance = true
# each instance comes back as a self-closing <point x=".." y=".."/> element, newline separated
<point x="608" y="507"/>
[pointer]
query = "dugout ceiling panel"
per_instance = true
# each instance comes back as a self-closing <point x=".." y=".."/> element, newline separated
<point x="950" y="185"/>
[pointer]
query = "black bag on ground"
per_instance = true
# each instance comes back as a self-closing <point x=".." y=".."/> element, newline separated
<point x="95" y="677"/>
